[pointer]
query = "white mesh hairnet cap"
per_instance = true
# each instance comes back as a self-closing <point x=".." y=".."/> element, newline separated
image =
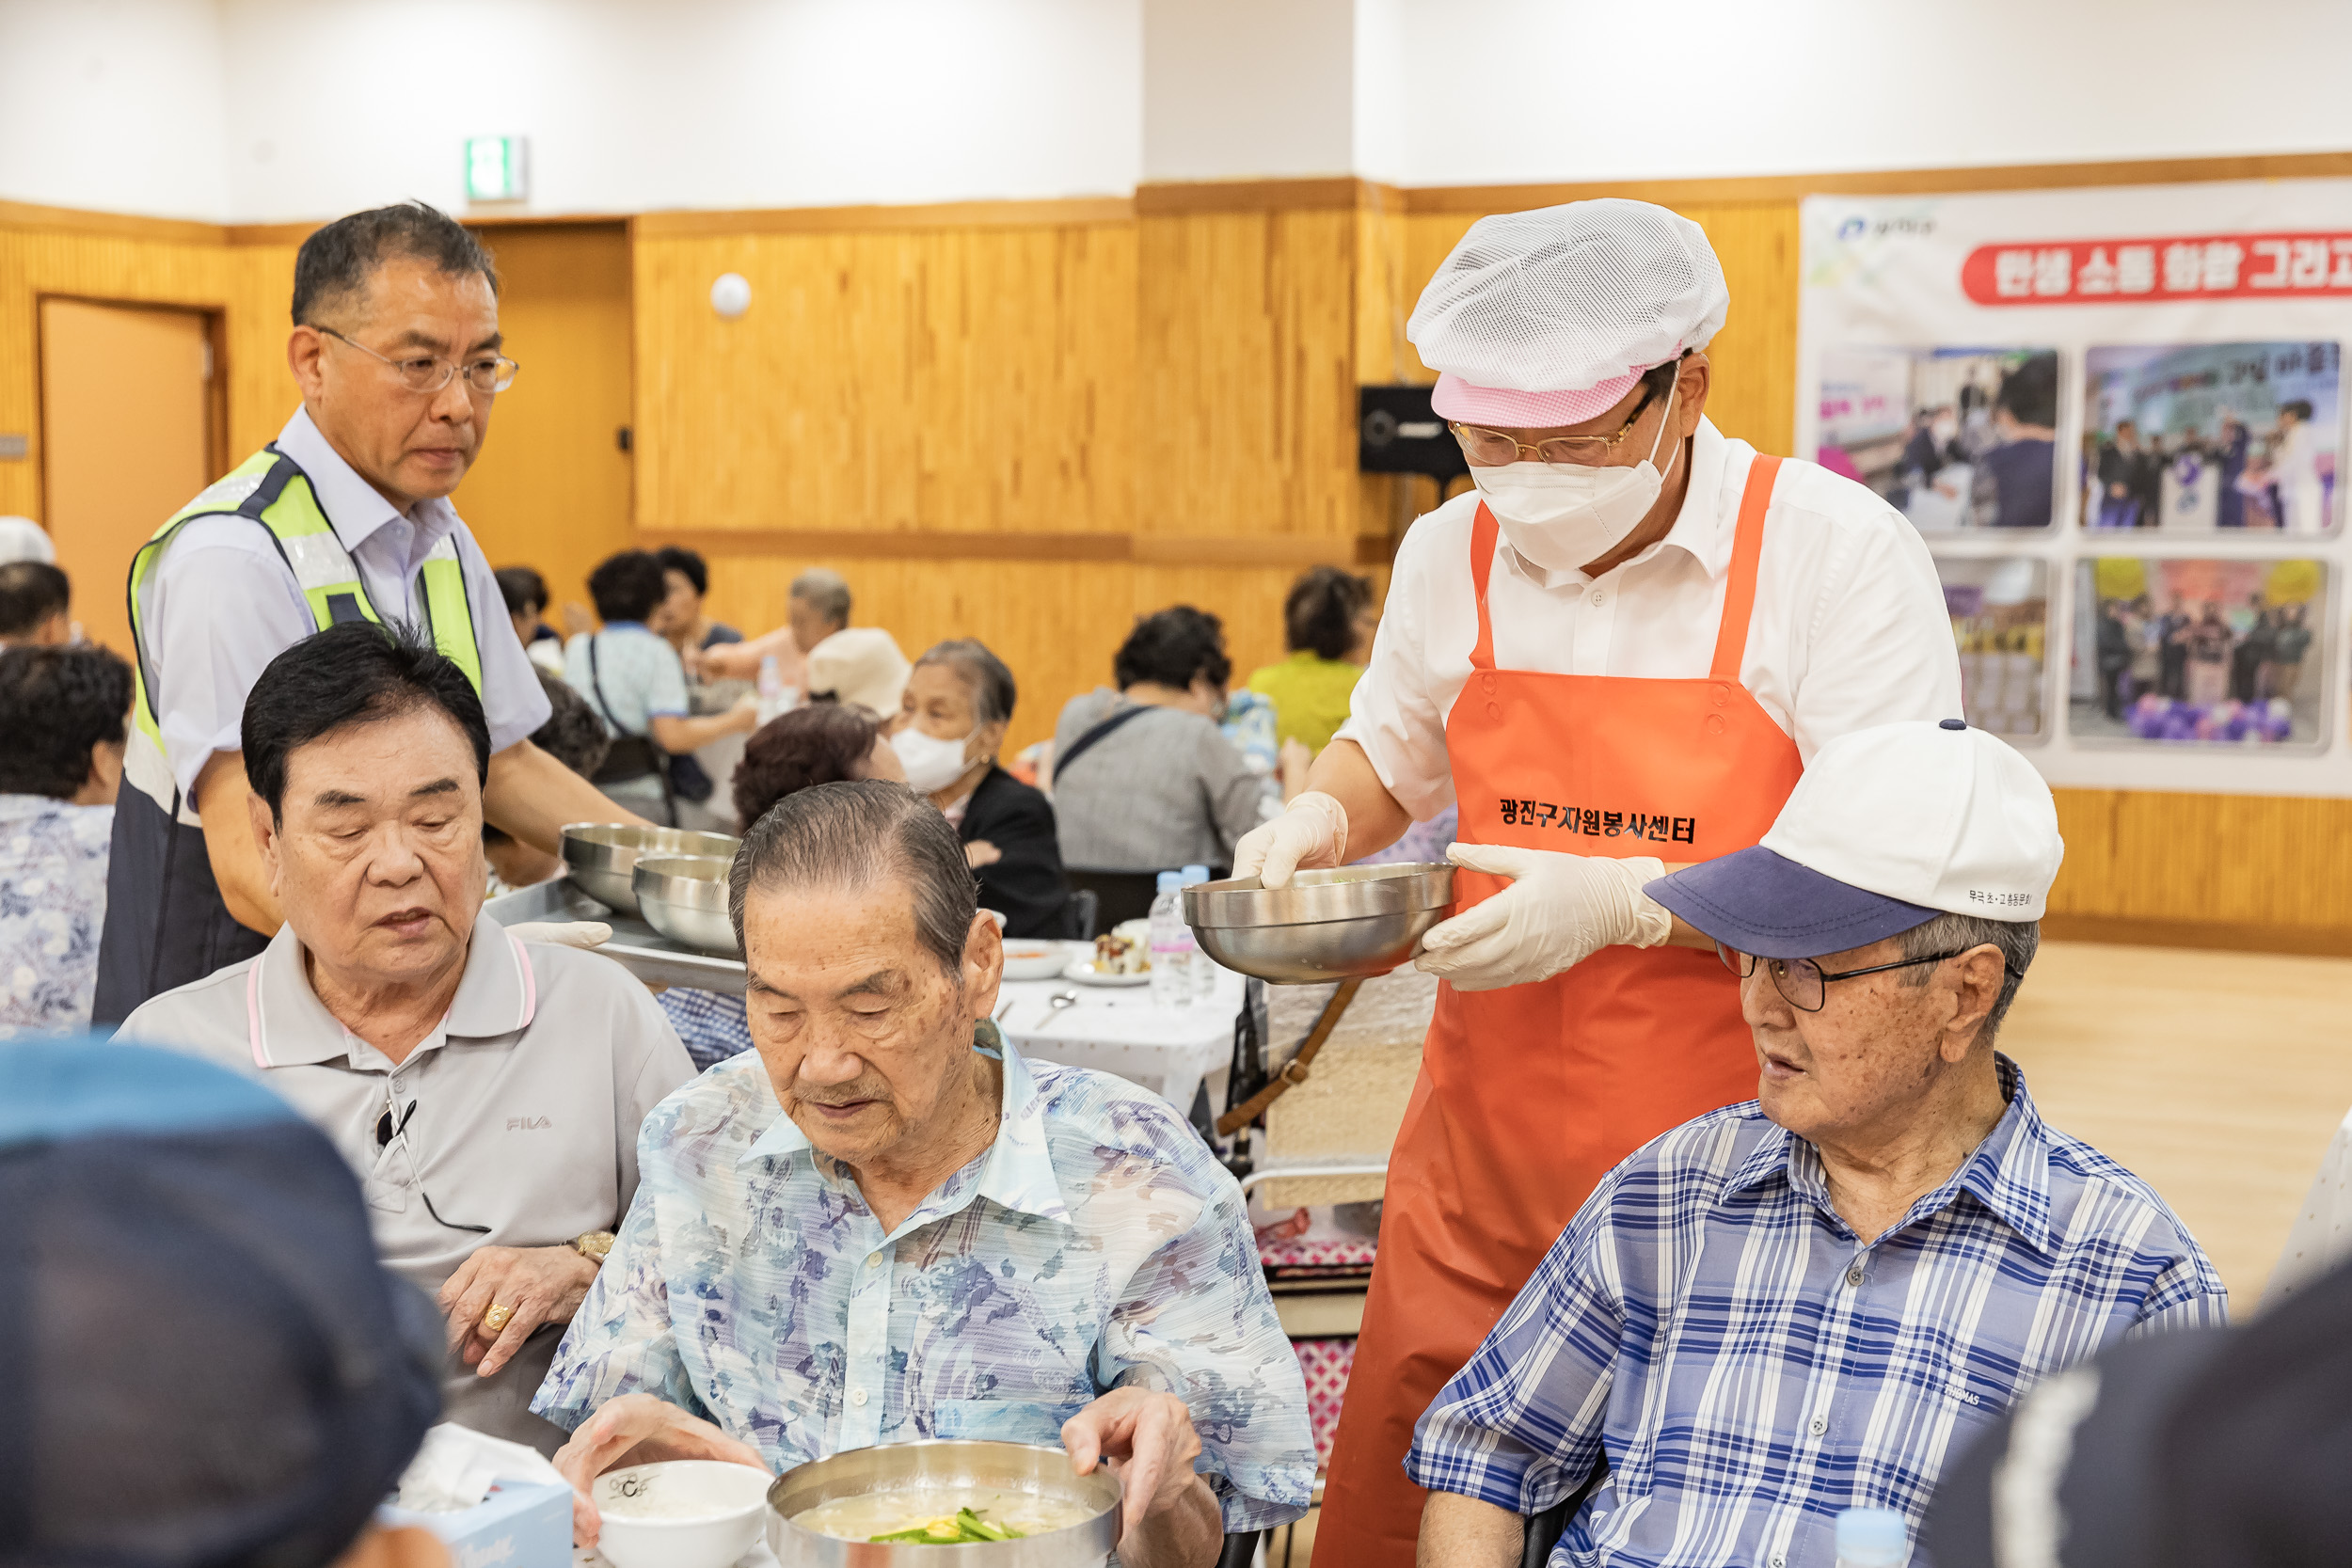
<point x="1549" y="317"/>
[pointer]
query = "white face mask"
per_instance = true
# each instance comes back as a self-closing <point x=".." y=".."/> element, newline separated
<point x="1563" y="518"/>
<point x="932" y="764"/>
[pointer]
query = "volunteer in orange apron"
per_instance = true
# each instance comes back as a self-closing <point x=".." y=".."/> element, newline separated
<point x="1614" y="655"/>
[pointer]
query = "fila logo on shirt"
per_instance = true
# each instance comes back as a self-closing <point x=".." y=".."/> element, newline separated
<point x="528" y="1124"/>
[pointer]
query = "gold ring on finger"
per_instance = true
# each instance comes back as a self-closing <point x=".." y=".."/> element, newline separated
<point x="496" y="1317"/>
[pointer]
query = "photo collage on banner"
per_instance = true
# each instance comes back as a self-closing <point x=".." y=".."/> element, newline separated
<point x="2115" y="417"/>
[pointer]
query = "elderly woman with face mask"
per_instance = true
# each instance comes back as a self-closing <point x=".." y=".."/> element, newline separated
<point x="951" y="722"/>
<point x="886" y="1226"/>
<point x="486" y="1089"/>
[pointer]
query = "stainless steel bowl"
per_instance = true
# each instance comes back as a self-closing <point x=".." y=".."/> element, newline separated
<point x="685" y="898"/>
<point x="601" y="854"/>
<point x="1359" y="920"/>
<point x="950" y="1463"/>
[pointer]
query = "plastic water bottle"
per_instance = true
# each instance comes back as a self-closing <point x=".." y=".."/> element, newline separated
<point x="1204" y="969"/>
<point x="1872" y="1538"/>
<point x="1172" y="947"/>
<point x="774" y="696"/>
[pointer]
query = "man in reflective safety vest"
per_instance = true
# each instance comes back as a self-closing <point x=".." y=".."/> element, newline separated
<point x="344" y="516"/>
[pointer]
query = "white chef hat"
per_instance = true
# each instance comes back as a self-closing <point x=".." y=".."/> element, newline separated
<point x="1549" y="317"/>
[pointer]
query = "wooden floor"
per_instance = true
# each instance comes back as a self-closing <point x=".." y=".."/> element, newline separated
<point x="2218" y="1077"/>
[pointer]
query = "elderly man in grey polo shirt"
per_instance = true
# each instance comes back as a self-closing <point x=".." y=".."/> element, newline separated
<point x="488" y="1090"/>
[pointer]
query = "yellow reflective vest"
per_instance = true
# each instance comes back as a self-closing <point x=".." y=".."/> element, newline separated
<point x="272" y="491"/>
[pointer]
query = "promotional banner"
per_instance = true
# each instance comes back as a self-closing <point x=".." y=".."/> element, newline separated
<point x="2116" y="417"/>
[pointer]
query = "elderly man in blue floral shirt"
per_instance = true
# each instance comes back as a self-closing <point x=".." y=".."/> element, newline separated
<point x="875" y="1230"/>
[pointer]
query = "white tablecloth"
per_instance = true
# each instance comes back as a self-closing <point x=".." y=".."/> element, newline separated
<point x="1171" y="1051"/>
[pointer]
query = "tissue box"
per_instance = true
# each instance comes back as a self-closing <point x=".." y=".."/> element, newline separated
<point x="519" y="1525"/>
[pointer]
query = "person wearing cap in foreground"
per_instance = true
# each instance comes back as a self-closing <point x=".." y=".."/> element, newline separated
<point x="205" y="1363"/>
<point x="1616" y="654"/>
<point x="1812" y="1301"/>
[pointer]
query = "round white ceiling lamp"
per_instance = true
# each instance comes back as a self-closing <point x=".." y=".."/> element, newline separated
<point x="730" y="294"/>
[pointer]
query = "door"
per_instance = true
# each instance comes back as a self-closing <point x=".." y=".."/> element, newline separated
<point x="127" y="439"/>
<point x="551" y="487"/>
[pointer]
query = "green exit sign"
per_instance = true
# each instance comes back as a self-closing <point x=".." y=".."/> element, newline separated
<point x="496" y="169"/>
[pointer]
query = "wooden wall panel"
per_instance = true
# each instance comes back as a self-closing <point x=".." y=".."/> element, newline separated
<point x="248" y="286"/>
<point x="1246" y="340"/>
<point x="551" y="489"/>
<point x="2136" y="857"/>
<point x="981" y="379"/>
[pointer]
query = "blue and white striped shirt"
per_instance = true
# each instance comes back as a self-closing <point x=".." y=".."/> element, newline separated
<point x="1708" y="1325"/>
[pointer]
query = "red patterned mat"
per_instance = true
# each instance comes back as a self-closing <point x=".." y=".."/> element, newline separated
<point x="1326" y="1363"/>
<point x="1290" y="1259"/>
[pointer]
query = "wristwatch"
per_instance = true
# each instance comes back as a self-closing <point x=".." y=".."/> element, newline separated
<point x="594" y="1245"/>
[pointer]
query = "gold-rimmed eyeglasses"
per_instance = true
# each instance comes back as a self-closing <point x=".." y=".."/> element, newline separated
<point x="1491" y="449"/>
<point x="430" y="372"/>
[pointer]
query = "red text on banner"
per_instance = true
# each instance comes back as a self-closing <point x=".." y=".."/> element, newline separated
<point x="2201" y="266"/>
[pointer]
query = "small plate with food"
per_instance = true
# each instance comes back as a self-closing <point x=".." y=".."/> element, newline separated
<point x="1121" y="958"/>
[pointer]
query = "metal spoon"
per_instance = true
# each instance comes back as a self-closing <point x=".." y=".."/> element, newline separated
<point x="1067" y="997"/>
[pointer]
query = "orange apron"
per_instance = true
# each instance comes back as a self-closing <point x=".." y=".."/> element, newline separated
<point x="1528" y="1094"/>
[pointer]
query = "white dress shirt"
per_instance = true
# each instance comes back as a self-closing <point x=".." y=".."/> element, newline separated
<point x="222" y="603"/>
<point x="1849" y="629"/>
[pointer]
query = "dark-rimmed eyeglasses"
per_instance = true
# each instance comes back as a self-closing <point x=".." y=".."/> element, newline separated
<point x="390" y="1133"/>
<point x="1805" y="984"/>
<point x="430" y="372"/>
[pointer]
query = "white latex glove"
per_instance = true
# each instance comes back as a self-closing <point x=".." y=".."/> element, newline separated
<point x="582" y="934"/>
<point x="1559" y="911"/>
<point x="1311" y="834"/>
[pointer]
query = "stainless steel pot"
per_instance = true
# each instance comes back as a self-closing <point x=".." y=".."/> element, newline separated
<point x="685" y="898"/>
<point x="982" y="1467"/>
<point x="1358" y="920"/>
<point x="600" y="855"/>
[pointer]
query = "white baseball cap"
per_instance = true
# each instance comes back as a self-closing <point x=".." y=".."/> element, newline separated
<point x="1549" y="317"/>
<point x="1888" y="827"/>
<point x="860" y="665"/>
<point x="22" y="539"/>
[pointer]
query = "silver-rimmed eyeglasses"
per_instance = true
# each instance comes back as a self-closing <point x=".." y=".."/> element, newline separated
<point x="430" y="372"/>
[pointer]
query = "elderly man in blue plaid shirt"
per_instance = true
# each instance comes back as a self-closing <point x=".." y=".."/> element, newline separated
<point x="1813" y="1301"/>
